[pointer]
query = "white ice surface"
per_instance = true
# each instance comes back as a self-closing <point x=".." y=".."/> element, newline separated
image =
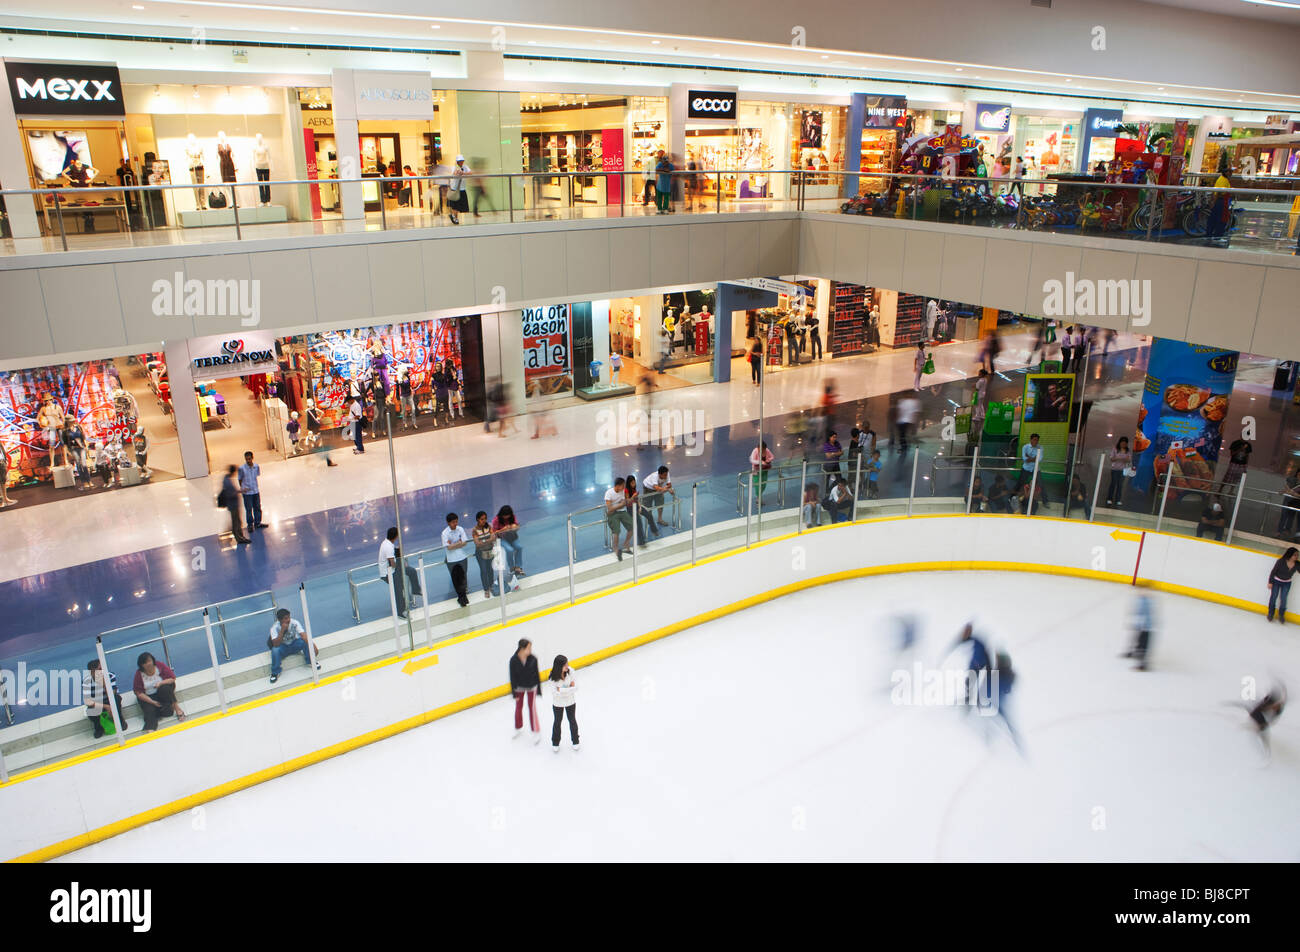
<point x="770" y="735"/>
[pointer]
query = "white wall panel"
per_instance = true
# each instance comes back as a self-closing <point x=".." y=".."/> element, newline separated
<point x="629" y="258"/>
<point x="1277" y="328"/>
<point x="449" y="275"/>
<point x="740" y="257"/>
<point x="587" y="262"/>
<point x="962" y="278"/>
<point x="23" y="316"/>
<point x="396" y="278"/>
<point x="341" y="279"/>
<point x="707" y="246"/>
<point x="83" y="309"/>
<point x="851" y="251"/>
<point x="922" y="262"/>
<point x="1224" y="304"/>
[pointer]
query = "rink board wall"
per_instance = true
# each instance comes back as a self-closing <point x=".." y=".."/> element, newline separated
<point x="70" y="805"/>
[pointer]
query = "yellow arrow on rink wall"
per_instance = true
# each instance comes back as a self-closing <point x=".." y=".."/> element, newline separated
<point x="1123" y="536"/>
<point x="419" y="664"/>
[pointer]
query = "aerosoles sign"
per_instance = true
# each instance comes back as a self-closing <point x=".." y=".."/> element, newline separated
<point x="65" y="89"/>
<point x="230" y="356"/>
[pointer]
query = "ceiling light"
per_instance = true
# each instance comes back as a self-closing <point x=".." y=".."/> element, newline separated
<point x="435" y="26"/>
<point x="196" y="92"/>
<point x="1069" y="80"/>
<point x="532" y="42"/>
<point x="293" y="28"/>
<point x="656" y="42"/>
<point x="136" y="6"/>
<point x="825" y="56"/>
<point x="959" y="69"/>
<point x="157" y="90"/>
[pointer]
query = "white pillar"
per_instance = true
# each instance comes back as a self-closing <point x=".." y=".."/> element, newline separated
<point x="13" y="171"/>
<point x="346" y="142"/>
<point x="189" y="428"/>
<point x="600" y="335"/>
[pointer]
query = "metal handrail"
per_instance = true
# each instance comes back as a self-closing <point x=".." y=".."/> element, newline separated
<point x="354" y="585"/>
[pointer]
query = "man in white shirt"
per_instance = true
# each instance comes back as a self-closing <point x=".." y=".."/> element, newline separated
<point x="653" y="488"/>
<point x="909" y="411"/>
<point x="454" y="542"/>
<point x="409" y="579"/>
<point x="618" y="517"/>
<point x="1030" y="454"/>
<point x="840" y="501"/>
<point x="287" y="637"/>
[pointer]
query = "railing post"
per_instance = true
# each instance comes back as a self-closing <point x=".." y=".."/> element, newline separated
<point x="1236" y="506"/>
<point x="568" y="538"/>
<point x="110" y="700"/>
<point x="383" y="212"/>
<point x="424" y="587"/>
<point x="974" y="467"/>
<point x="636" y="535"/>
<point x="163" y="638"/>
<point x="499" y="563"/>
<point x="717" y="197"/>
<point x="803" y="482"/>
<point x="234" y="204"/>
<point x="510" y="194"/>
<point x="857" y="486"/>
<point x="1096" y="490"/>
<point x="1033" y="486"/>
<point x="4" y="774"/>
<point x="695" y="508"/>
<point x="216" y="668"/>
<point x="1164" y="497"/>
<point x="391" y="584"/>
<point x="58" y="213"/>
<point x="911" y="490"/>
<point x="306" y="624"/>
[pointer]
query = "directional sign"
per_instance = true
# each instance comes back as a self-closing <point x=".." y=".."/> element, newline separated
<point x="419" y="664"/>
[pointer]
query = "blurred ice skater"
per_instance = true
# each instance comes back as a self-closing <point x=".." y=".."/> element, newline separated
<point x="1143" y="624"/>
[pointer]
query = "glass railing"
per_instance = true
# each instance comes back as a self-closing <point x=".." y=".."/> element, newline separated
<point x="1260" y="216"/>
<point x="222" y="655"/>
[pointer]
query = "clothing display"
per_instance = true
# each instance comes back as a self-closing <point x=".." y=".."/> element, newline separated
<point x="227" y="161"/>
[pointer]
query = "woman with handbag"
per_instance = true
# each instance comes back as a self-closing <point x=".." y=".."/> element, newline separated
<point x="506" y="528"/>
<point x="1120" y="461"/>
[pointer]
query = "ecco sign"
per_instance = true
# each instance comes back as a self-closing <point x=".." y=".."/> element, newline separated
<point x="62" y="89"/>
<point x="710" y="104"/>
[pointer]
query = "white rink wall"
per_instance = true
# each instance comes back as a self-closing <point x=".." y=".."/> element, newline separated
<point x="56" y="809"/>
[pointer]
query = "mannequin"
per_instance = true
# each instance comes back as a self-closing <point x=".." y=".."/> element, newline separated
<point x="262" y="167"/>
<point x="141" y="441"/>
<point x="194" y="158"/>
<point x="74" y="441"/>
<point x="313" y="424"/>
<point x="50" y="419"/>
<point x="292" y="428"/>
<point x="225" y="158"/>
<point x="128" y="411"/>
<point x="4" y="477"/>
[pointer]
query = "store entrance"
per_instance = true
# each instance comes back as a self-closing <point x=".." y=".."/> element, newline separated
<point x="241" y="414"/>
<point x="68" y="153"/>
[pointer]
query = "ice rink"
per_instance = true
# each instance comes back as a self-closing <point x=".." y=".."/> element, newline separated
<point x="771" y="735"/>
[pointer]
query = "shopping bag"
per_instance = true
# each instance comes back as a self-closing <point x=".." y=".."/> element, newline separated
<point x="106" y="722"/>
<point x="929" y="364"/>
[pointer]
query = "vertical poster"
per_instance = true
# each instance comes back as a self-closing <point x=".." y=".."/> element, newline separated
<point x="810" y="129"/>
<point x="584" y="345"/>
<point x="611" y="160"/>
<point x="547" y="367"/>
<point x="1180" y="421"/>
<point x="309" y="143"/>
<point x="951" y="150"/>
<point x="1047" y="402"/>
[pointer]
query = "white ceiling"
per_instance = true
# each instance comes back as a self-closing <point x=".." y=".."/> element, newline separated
<point x="396" y="23"/>
<point x="1277" y="11"/>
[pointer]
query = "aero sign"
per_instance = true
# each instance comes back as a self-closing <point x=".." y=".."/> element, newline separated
<point x="65" y="89"/>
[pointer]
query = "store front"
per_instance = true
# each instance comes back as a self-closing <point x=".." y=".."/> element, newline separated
<point x="876" y="126"/>
<point x="1100" y="129"/>
<point x="72" y="122"/>
<point x="992" y="126"/>
<point x="1048" y="144"/>
<point x="89" y="426"/>
<point x="572" y="132"/>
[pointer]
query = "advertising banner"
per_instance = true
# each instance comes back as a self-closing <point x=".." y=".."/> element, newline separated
<point x="1097" y="124"/>
<point x="547" y="367"/>
<point x="611" y="160"/>
<point x="1180" y="421"/>
<point x="1047" y="402"/>
<point x="951" y="150"/>
<point x="810" y="129"/>
<point x="992" y="117"/>
<point x="884" y="112"/>
<point x="309" y="144"/>
<point x="65" y="89"/>
<point x="230" y="355"/>
<point x="998" y="418"/>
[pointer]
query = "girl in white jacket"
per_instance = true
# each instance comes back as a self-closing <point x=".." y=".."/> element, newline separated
<point x="563" y="690"/>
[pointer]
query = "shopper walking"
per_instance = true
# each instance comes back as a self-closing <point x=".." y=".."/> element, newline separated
<point x="457" y="197"/>
<point x="248" y="488"/>
<point x="564" y="689"/>
<point x="755" y="358"/>
<point x="228" y="499"/>
<point x="1018" y="178"/>
<point x="1120" y="460"/>
<point x="909" y="411"/>
<point x="525" y="682"/>
<point x="1067" y="350"/>
<point x="1279" y="583"/>
<point x="454" y="541"/>
<point x="663" y="183"/>
<point x="1216" y="228"/>
<point x="918" y="364"/>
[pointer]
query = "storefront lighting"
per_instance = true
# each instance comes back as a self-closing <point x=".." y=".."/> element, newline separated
<point x="196" y="92"/>
<point x="157" y="91"/>
<point x="656" y="42"/>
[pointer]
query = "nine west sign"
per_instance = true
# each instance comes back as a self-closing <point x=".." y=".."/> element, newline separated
<point x="65" y="89"/>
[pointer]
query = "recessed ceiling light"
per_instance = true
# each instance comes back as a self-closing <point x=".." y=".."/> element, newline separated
<point x="1161" y="89"/>
<point x="293" y="28"/>
<point x="136" y="6"/>
<point x="959" y="69"/>
<point x="825" y="56"/>
<point x="1069" y="80"/>
<point x="656" y="42"/>
<point x="532" y="42"/>
<point x="435" y="26"/>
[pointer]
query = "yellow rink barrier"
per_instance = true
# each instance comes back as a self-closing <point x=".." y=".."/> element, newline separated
<point x="425" y="657"/>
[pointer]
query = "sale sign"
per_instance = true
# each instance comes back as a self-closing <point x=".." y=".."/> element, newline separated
<point x="611" y="159"/>
<point x="547" y="369"/>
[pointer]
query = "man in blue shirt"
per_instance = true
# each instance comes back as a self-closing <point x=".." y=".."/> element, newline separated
<point x="248" y="474"/>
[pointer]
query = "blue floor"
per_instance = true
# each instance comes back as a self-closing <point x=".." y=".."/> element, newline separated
<point x="41" y="628"/>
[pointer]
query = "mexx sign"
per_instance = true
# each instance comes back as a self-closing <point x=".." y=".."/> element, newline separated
<point x="65" y="89"/>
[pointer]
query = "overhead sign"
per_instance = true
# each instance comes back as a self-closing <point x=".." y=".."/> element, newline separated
<point x="1218" y="127"/>
<point x="393" y="95"/>
<point x="234" y="356"/>
<point x="771" y="284"/>
<point x="884" y="112"/>
<point x="710" y="104"/>
<point x="65" y="89"/>
<point x="1101" y="123"/>
<point x="992" y="117"/>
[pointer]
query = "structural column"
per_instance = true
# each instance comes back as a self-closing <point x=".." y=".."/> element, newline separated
<point x="189" y="428"/>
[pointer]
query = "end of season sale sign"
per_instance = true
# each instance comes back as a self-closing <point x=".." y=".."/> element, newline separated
<point x="547" y="364"/>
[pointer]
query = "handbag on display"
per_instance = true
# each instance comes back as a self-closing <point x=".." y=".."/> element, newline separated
<point x="216" y="199"/>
